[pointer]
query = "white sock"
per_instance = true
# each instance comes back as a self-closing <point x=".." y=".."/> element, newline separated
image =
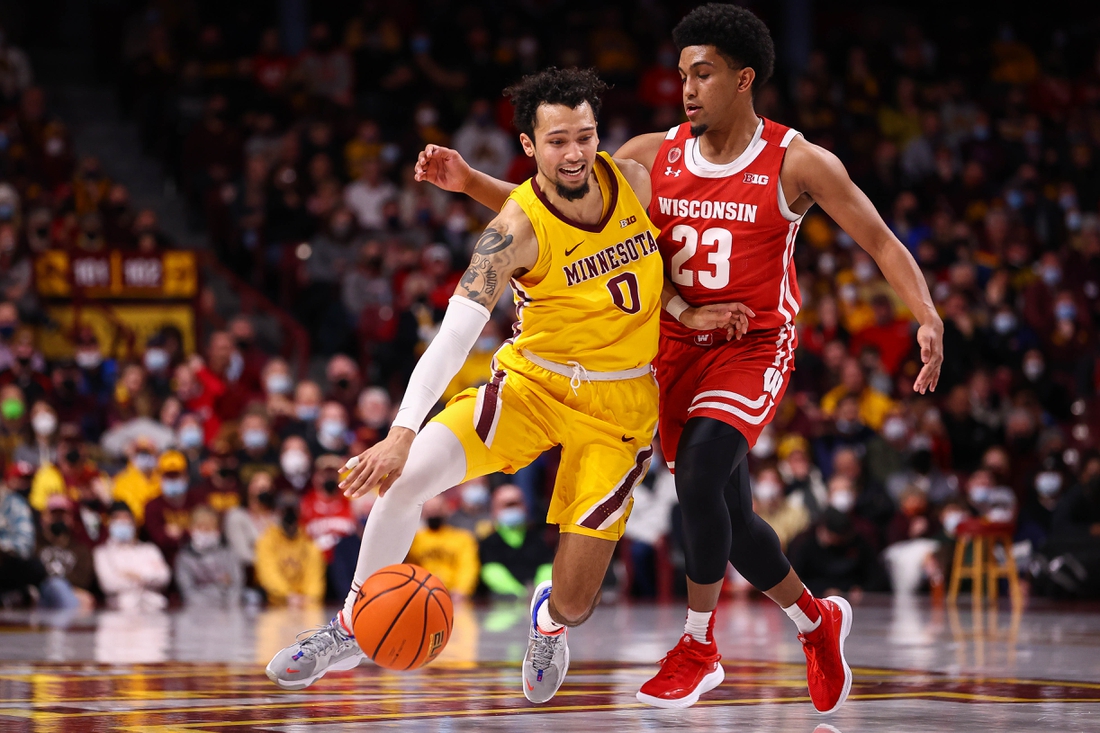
<point x="801" y="620"/>
<point x="546" y="624"/>
<point x="696" y="625"/>
<point x="436" y="462"/>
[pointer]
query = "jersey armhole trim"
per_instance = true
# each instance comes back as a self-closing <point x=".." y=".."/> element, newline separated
<point x="672" y="133"/>
<point x="781" y="198"/>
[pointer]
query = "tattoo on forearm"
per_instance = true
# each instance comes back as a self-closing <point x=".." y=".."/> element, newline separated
<point x="491" y="242"/>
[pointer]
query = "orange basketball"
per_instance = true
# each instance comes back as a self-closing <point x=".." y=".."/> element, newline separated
<point x="402" y="617"/>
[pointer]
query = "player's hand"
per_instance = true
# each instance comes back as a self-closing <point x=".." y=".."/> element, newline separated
<point x="930" y="339"/>
<point x="734" y="317"/>
<point x="443" y="167"/>
<point x="380" y="465"/>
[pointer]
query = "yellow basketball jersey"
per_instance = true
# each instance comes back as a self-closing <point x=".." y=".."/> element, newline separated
<point x="594" y="296"/>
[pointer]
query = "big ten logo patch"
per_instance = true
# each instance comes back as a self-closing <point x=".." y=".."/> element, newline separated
<point x="756" y="178"/>
<point x="623" y="223"/>
<point x="435" y="645"/>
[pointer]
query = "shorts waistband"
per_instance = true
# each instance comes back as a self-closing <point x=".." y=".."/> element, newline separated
<point x="578" y="373"/>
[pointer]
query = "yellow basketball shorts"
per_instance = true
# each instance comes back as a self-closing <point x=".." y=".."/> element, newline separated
<point x="605" y="431"/>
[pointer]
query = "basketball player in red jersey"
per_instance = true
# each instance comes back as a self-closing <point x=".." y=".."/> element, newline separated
<point x="729" y="191"/>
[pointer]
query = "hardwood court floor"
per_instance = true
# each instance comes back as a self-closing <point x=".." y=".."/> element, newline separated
<point x="916" y="669"/>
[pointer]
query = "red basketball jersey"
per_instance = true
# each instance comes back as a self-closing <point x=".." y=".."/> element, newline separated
<point x="727" y="233"/>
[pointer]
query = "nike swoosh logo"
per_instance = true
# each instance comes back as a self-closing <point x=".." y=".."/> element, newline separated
<point x="292" y="671"/>
<point x="529" y="686"/>
<point x="627" y="440"/>
<point x="571" y="251"/>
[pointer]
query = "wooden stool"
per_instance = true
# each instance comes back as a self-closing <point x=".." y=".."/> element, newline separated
<point x="984" y="537"/>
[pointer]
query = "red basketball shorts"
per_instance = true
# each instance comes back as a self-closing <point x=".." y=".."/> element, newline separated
<point x="737" y="382"/>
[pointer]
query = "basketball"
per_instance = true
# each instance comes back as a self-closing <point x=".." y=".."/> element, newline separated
<point x="402" y="617"/>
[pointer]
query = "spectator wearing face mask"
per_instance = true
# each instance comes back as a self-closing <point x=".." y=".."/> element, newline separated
<point x="787" y="518"/>
<point x="98" y="372"/>
<point x="168" y="516"/>
<point x="447" y="552"/>
<point x="296" y="466"/>
<point x="1037" y="510"/>
<point x="833" y="558"/>
<point x="191" y="442"/>
<point x="307" y="406"/>
<point x="514" y="557"/>
<point x="131" y="574"/>
<point x="208" y="573"/>
<point x="289" y="567"/>
<point x="472" y="513"/>
<point x="326" y="514"/>
<point x="803" y="482"/>
<point x="987" y="500"/>
<point x="158" y="366"/>
<point x="245" y="525"/>
<point x="67" y="561"/>
<point x="888" y="450"/>
<point x="138" y="483"/>
<point x="40" y="447"/>
<point x="257" y="452"/>
<point x="331" y="436"/>
<point x="844" y="498"/>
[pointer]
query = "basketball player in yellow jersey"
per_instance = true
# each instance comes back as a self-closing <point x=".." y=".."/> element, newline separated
<point x="582" y="257"/>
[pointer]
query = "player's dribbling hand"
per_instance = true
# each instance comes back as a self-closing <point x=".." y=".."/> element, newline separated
<point x="734" y="317"/>
<point x="930" y="339"/>
<point x="442" y="167"/>
<point x="380" y="465"/>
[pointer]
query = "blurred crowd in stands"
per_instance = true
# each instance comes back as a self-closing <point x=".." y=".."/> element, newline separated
<point x="175" y="477"/>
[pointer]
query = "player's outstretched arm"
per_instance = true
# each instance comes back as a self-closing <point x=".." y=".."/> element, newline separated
<point x="447" y="169"/>
<point x="819" y="173"/>
<point x="507" y="247"/>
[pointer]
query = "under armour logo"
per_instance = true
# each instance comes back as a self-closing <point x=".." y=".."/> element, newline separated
<point x="670" y="172"/>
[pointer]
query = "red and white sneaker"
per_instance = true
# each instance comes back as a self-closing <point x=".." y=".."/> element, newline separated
<point x="827" y="673"/>
<point x="687" y="671"/>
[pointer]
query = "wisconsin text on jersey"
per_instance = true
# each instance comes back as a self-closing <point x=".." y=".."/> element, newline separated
<point x="610" y="259"/>
<point x="690" y="208"/>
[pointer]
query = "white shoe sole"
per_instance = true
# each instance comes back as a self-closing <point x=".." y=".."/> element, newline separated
<point x="341" y="666"/>
<point x="707" y="684"/>
<point x="845" y="629"/>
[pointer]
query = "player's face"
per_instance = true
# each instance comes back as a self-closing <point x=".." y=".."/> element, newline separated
<point x="565" y="147"/>
<point x="711" y="87"/>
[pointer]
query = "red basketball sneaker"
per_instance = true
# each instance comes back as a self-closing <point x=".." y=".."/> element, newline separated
<point x="827" y="674"/>
<point x="687" y="671"/>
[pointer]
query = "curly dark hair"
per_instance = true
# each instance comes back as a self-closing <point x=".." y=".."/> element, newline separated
<point x="740" y="37"/>
<point x="571" y="87"/>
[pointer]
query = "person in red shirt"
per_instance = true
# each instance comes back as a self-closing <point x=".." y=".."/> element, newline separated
<point x="730" y="189"/>
<point x="888" y="334"/>
<point x="325" y="512"/>
<point x="270" y="66"/>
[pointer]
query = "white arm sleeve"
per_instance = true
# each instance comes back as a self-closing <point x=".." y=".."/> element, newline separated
<point x="441" y="361"/>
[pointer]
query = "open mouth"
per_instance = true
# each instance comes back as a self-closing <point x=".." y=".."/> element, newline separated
<point x="574" y="173"/>
<point x="692" y="109"/>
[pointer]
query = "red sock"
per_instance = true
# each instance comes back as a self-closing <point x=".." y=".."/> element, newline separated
<point x="807" y="605"/>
